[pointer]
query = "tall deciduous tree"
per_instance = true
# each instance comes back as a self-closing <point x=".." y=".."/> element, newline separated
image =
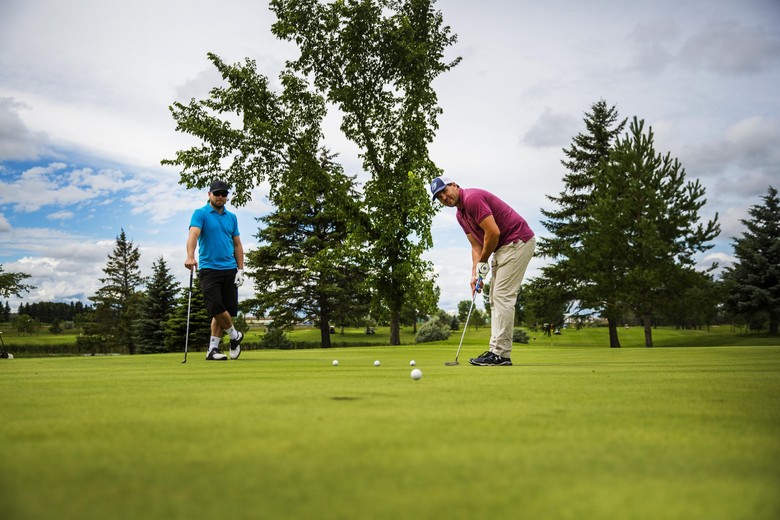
<point x="753" y="281"/>
<point x="569" y="220"/>
<point x="376" y="61"/>
<point x="158" y="304"/>
<point x="644" y="228"/>
<point x="248" y="133"/>
<point x="117" y="302"/>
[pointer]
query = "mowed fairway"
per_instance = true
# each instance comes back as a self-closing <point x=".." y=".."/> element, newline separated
<point x="565" y="433"/>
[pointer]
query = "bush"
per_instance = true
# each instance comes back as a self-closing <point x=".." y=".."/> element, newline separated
<point x="433" y="330"/>
<point x="520" y="336"/>
<point x="276" y="339"/>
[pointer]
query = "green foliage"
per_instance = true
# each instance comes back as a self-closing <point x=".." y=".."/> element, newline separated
<point x="753" y="282"/>
<point x="308" y="265"/>
<point x="435" y="329"/>
<point x="520" y="336"/>
<point x="55" y="327"/>
<point x="159" y="302"/>
<point x="568" y="279"/>
<point x="117" y="302"/>
<point x="376" y="62"/>
<point x="25" y="324"/>
<point x="644" y="227"/>
<point x="276" y="338"/>
<point x="11" y="283"/>
<point x="625" y="228"/>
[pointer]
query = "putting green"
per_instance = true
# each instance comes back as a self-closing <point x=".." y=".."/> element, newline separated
<point x="565" y="433"/>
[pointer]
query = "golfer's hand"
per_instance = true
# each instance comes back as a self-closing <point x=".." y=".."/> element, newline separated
<point x="190" y="263"/>
<point x="476" y="285"/>
<point x="482" y="270"/>
<point x="239" y="281"/>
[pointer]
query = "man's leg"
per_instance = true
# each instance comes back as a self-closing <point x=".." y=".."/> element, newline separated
<point x="509" y="265"/>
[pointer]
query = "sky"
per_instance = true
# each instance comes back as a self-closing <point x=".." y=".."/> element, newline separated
<point x="85" y="87"/>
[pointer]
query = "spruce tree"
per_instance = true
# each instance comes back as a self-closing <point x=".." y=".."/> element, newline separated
<point x="158" y="304"/>
<point x="644" y="229"/>
<point x="117" y="302"/>
<point x="308" y="265"/>
<point x="564" y="280"/>
<point x="753" y="282"/>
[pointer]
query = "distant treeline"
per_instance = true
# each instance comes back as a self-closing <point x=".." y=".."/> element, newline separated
<point x="47" y="312"/>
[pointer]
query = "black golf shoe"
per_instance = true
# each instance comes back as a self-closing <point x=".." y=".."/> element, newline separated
<point x="489" y="359"/>
<point x="215" y="355"/>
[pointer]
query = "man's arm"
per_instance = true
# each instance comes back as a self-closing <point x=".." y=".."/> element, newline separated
<point x="490" y="242"/>
<point x="192" y="241"/>
<point x="238" y="251"/>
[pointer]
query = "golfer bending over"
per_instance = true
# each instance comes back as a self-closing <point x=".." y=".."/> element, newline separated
<point x="221" y="256"/>
<point x="493" y="228"/>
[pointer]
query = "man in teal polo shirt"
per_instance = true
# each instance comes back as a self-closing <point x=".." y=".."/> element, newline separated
<point x="221" y="256"/>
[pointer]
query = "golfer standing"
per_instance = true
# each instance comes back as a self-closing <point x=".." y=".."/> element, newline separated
<point x="492" y="228"/>
<point x="221" y="256"/>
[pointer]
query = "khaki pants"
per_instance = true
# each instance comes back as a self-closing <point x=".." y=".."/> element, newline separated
<point x="509" y="264"/>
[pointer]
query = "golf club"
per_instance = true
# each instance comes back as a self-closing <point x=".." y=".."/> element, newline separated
<point x="466" y="325"/>
<point x="189" y="305"/>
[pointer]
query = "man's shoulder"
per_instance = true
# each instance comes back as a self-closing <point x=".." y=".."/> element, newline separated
<point x="475" y="196"/>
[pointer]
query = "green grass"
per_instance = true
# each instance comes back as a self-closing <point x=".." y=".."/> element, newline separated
<point x="567" y="433"/>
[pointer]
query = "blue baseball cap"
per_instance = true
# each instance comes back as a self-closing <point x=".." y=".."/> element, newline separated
<point x="438" y="184"/>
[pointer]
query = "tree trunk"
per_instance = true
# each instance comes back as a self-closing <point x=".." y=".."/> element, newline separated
<point x="395" y="329"/>
<point x="325" y="332"/>
<point x="614" y="342"/>
<point x="648" y="331"/>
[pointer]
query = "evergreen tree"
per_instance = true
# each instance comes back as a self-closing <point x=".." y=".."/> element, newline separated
<point x="117" y="302"/>
<point x="567" y="223"/>
<point x="644" y="229"/>
<point x="753" y="282"/>
<point x="308" y="266"/>
<point x="158" y="304"/>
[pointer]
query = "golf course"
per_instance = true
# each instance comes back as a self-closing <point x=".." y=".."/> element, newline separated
<point x="574" y="430"/>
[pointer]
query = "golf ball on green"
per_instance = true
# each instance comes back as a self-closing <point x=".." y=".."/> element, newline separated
<point x="412" y="363"/>
<point x="416" y="374"/>
<point x="376" y="363"/>
<point x="335" y="362"/>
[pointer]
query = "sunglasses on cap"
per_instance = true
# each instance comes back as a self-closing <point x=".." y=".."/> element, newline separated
<point x="220" y="193"/>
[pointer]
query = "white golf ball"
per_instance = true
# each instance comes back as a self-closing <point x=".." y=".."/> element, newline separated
<point x="412" y="363"/>
<point x="416" y="374"/>
<point x="335" y="362"/>
<point x="376" y="363"/>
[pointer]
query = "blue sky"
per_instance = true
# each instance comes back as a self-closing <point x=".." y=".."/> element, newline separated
<point x="84" y="123"/>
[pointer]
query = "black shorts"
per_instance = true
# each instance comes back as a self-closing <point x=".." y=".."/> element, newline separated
<point x="219" y="290"/>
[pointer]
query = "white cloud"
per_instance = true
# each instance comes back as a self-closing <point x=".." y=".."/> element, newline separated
<point x="60" y="215"/>
<point x="5" y="226"/>
<point x="731" y="48"/>
<point x="551" y="129"/>
<point x="17" y="141"/>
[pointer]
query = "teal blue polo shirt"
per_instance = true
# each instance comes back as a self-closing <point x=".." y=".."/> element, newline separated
<point x="215" y="244"/>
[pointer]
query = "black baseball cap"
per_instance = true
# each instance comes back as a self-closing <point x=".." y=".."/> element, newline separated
<point x="219" y="186"/>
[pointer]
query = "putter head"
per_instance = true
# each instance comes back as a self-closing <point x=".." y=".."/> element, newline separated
<point x="451" y="363"/>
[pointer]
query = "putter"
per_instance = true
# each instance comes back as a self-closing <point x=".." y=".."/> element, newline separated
<point x="466" y="326"/>
<point x="189" y="305"/>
